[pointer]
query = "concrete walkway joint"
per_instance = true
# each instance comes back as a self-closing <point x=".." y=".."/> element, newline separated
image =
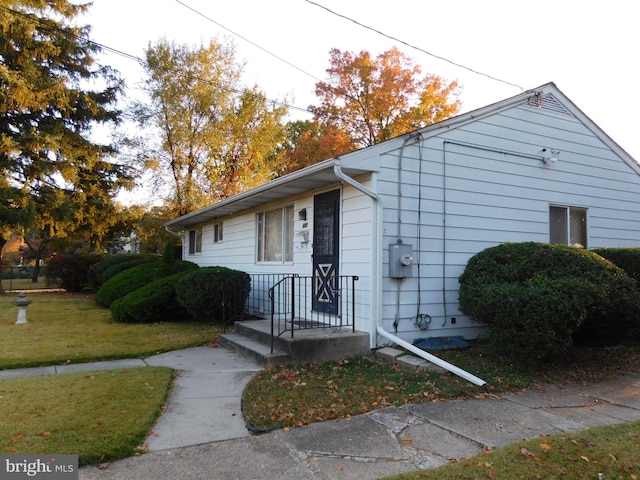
<point x="202" y="434"/>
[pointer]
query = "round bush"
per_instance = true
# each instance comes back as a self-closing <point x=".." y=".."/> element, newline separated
<point x="536" y="298"/>
<point x="119" y="267"/>
<point x="628" y="259"/>
<point x="214" y="294"/>
<point x="155" y="302"/>
<point x="126" y="282"/>
<point x="101" y="271"/>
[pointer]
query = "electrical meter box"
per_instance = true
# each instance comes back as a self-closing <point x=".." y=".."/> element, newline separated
<point x="400" y="260"/>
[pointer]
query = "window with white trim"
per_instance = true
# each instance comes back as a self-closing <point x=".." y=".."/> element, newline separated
<point x="195" y="241"/>
<point x="568" y="225"/>
<point x="217" y="233"/>
<point x="275" y="235"/>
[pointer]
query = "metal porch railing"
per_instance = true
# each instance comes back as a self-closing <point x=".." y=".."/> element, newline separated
<point x="296" y="305"/>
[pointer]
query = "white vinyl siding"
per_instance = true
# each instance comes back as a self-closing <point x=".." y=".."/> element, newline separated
<point x="484" y="183"/>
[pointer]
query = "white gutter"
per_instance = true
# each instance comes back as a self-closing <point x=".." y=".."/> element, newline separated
<point x="377" y="278"/>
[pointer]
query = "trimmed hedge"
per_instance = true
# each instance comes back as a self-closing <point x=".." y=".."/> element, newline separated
<point x="126" y="282"/>
<point x="137" y="277"/>
<point x="537" y="298"/>
<point x="210" y="292"/>
<point x="119" y="267"/>
<point x="155" y="302"/>
<point x="628" y="259"/>
<point x="101" y="271"/>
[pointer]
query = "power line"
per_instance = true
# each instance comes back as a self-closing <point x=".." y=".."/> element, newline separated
<point x="135" y="58"/>
<point x="337" y="91"/>
<point x="414" y="47"/>
<point x="247" y="40"/>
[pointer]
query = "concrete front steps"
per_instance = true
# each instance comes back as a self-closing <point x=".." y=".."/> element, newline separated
<point x="252" y="339"/>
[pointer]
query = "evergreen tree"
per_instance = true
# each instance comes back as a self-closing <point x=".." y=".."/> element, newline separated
<point x="56" y="180"/>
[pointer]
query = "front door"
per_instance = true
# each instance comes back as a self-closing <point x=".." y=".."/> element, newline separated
<point x="326" y="215"/>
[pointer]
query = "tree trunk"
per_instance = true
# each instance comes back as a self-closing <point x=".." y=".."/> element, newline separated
<point x="3" y="242"/>
<point x="36" y="270"/>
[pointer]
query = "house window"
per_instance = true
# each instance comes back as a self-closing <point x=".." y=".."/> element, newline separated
<point x="195" y="241"/>
<point x="275" y="235"/>
<point x="568" y="226"/>
<point x="217" y="233"/>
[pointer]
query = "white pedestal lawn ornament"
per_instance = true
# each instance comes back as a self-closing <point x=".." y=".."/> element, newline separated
<point x="21" y="303"/>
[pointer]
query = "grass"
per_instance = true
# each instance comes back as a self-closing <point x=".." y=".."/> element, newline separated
<point x="105" y="415"/>
<point x="11" y="285"/>
<point x="72" y="328"/>
<point x="289" y="396"/>
<point x="100" y="416"/>
<point x="597" y="453"/>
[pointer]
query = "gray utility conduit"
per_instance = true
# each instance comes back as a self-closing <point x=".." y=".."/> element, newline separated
<point x="377" y="277"/>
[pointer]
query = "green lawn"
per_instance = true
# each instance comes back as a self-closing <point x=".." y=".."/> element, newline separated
<point x="103" y="416"/>
<point x="100" y="416"/>
<point x="72" y="328"/>
<point x="287" y="396"/>
<point x="25" y="284"/>
<point x="601" y="453"/>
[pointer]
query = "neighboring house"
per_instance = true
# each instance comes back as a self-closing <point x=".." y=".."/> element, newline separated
<point x="405" y="216"/>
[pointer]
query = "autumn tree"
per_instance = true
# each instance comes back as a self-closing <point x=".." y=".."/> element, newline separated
<point x="310" y="142"/>
<point x="149" y="231"/>
<point x="55" y="179"/>
<point x="372" y="100"/>
<point x="215" y="138"/>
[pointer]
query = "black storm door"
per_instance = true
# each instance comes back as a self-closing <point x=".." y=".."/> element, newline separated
<point x="326" y="215"/>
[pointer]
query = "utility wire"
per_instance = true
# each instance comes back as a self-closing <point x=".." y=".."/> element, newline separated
<point x="413" y="46"/>
<point x="247" y="40"/>
<point x="135" y="58"/>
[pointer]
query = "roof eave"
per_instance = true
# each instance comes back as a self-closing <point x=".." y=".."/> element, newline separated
<point x="314" y="176"/>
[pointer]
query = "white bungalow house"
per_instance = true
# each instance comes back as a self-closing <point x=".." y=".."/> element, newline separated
<point x="404" y="216"/>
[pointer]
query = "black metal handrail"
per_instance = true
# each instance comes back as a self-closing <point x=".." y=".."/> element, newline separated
<point x="293" y="306"/>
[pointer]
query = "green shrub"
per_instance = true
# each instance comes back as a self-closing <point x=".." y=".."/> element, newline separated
<point x="119" y="267"/>
<point x="169" y="264"/>
<point x="126" y="282"/>
<point x="211" y="293"/>
<point x="536" y="298"/>
<point x="628" y="259"/>
<point x="101" y="270"/>
<point x="155" y="302"/>
<point x="70" y="272"/>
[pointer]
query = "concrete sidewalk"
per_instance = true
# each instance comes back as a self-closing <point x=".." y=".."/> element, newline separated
<point x="390" y="440"/>
<point x="204" y="405"/>
<point x="202" y="435"/>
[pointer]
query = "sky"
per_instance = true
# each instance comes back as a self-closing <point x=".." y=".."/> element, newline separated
<point x="588" y="48"/>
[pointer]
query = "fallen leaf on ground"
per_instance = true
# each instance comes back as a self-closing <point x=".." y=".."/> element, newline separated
<point x="526" y="453"/>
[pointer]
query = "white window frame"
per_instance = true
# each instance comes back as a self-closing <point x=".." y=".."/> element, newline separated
<point x="217" y="232"/>
<point x="575" y="224"/>
<point x="279" y="249"/>
<point x="195" y="241"/>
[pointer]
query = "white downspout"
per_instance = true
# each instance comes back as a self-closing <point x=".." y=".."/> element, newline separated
<point x="377" y="279"/>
